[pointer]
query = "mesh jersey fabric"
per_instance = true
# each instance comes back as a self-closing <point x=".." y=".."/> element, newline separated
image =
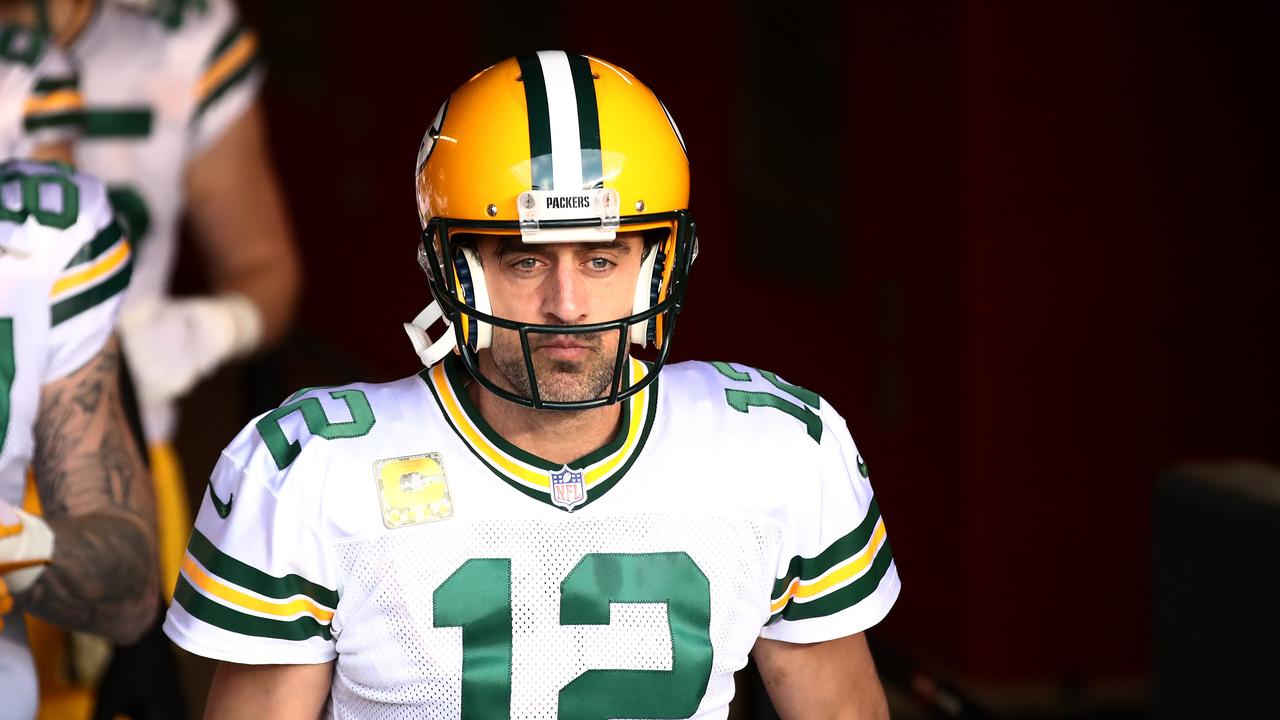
<point x="713" y="519"/>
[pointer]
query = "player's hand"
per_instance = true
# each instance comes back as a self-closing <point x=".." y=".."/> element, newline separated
<point x="173" y="344"/>
<point x="26" y="546"/>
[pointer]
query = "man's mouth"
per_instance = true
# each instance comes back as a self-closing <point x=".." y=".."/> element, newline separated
<point x="567" y="342"/>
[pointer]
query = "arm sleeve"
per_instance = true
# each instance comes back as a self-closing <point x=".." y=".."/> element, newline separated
<point x="89" y="283"/>
<point x="256" y="584"/>
<point x="54" y="111"/>
<point x="230" y="73"/>
<point x="836" y="575"/>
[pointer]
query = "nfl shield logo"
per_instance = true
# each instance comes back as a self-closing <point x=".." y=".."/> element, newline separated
<point x="567" y="488"/>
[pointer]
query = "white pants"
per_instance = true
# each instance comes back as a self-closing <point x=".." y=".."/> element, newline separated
<point x="17" y="671"/>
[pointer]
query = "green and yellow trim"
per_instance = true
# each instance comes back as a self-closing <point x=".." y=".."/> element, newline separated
<point x="54" y="103"/>
<point x="227" y="593"/>
<point x="843" y="575"/>
<point x="525" y="471"/>
<point x="232" y="59"/>
<point x="99" y="270"/>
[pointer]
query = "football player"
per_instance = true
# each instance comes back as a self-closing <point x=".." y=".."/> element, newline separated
<point x="89" y="563"/>
<point x="40" y="101"/>
<point x="539" y="524"/>
<point x="172" y="123"/>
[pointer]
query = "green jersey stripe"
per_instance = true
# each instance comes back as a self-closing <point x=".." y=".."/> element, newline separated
<point x="218" y="615"/>
<point x="134" y="122"/>
<point x="846" y="597"/>
<point x="454" y="371"/>
<point x="595" y="491"/>
<point x="44" y="86"/>
<point x="66" y="118"/>
<point x="225" y="86"/>
<point x="228" y="39"/>
<point x="603" y="486"/>
<point x="102" y="242"/>
<point x="76" y="304"/>
<point x="251" y="578"/>
<point x="535" y="100"/>
<point x="584" y="89"/>
<point x="836" y="553"/>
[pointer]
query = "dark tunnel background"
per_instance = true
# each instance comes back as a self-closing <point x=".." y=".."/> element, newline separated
<point x="1028" y="250"/>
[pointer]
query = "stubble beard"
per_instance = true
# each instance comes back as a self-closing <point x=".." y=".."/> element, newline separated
<point x="558" y="380"/>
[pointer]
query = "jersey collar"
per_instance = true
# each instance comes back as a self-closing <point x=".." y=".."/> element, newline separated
<point x="526" y="472"/>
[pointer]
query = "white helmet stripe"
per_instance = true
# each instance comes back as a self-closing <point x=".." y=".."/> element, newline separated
<point x="562" y="106"/>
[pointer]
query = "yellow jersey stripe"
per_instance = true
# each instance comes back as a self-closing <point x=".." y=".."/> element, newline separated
<point x="231" y="61"/>
<point x="54" y="102"/>
<point x="837" y="575"/>
<point x="639" y="408"/>
<point x="108" y="263"/>
<point x="478" y="441"/>
<point x="536" y="477"/>
<point x="214" y="587"/>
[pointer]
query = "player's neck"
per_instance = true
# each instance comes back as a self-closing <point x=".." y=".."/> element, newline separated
<point x="560" y="436"/>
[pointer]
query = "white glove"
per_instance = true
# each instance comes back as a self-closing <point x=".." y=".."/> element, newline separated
<point x="26" y="546"/>
<point x="172" y="344"/>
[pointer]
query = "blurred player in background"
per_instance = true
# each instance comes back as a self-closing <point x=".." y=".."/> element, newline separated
<point x="172" y="123"/>
<point x="89" y="562"/>
<point x="539" y="524"/>
<point x="40" y="100"/>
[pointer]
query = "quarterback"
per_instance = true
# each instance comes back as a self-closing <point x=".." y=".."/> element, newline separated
<point x="539" y="525"/>
<point x="87" y="564"/>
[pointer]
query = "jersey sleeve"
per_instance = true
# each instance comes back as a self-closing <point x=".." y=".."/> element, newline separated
<point x="88" y="286"/>
<point x="257" y="585"/>
<point x="836" y="575"/>
<point x="230" y="72"/>
<point x="54" y="111"/>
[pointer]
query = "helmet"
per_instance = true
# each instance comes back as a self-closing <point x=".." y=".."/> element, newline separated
<point x="551" y="147"/>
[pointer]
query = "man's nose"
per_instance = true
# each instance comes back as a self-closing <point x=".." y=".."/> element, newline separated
<point x="565" y="295"/>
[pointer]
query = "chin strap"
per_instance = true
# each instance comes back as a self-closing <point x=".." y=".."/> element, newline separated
<point x="428" y="351"/>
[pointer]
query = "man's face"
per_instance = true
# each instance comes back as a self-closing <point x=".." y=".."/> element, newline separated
<point x="559" y="284"/>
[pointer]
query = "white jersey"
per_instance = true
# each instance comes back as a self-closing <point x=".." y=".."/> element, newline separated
<point x="451" y="574"/>
<point x="63" y="267"/>
<point x="159" y="89"/>
<point x="40" y="99"/>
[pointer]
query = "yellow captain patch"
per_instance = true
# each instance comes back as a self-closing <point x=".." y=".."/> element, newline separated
<point x="412" y="490"/>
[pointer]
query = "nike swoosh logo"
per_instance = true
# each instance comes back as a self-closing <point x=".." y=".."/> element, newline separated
<point x="223" y="508"/>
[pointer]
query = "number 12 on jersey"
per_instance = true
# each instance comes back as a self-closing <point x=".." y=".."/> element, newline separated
<point x="744" y="400"/>
<point x="477" y="598"/>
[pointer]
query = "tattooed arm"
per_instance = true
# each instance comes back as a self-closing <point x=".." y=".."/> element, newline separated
<point x="98" y="500"/>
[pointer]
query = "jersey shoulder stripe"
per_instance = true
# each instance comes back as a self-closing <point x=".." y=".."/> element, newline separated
<point x="55" y="102"/>
<point x="233" y="58"/>
<point x="842" y="560"/>
<point x="844" y="574"/>
<point x="220" y="590"/>
<point x="100" y="270"/>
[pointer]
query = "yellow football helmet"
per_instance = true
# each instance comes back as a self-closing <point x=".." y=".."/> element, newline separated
<point x="552" y="147"/>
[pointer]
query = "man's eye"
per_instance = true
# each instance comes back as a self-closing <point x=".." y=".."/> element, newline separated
<point x="526" y="263"/>
<point x="600" y="263"/>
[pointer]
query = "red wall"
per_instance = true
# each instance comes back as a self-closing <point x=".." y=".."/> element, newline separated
<point x="1055" y="253"/>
